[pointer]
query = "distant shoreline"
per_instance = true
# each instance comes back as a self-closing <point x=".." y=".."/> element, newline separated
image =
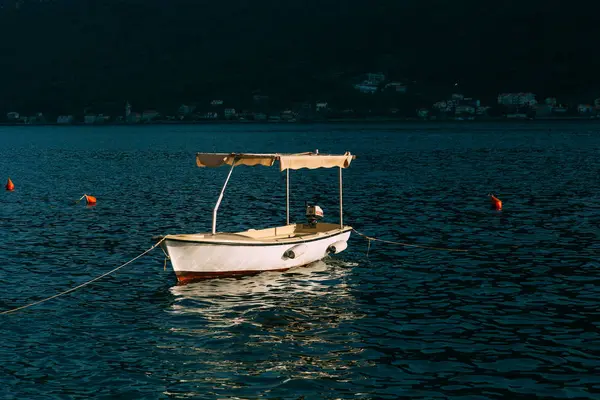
<point x="372" y="120"/>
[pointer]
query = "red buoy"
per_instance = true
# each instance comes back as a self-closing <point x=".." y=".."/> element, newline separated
<point x="496" y="202"/>
<point x="10" y="186"/>
<point x="90" y="200"/>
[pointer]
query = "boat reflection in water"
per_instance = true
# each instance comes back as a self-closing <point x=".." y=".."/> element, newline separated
<point x="264" y="335"/>
<point x="313" y="294"/>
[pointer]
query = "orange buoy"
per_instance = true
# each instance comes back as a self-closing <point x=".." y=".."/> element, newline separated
<point x="90" y="200"/>
<point x="10" y="186"/>
<point x="496" y="202"/>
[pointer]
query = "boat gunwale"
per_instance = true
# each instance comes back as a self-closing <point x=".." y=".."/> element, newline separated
<point x="248" y="241"/>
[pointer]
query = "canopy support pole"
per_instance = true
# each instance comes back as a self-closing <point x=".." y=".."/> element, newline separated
<point x="214" y="224"/>
<point x="341" y="202"/>
<point x="287" y="196"/>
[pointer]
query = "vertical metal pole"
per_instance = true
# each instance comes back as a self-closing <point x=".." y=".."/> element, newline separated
<point x="341" y="202"/>
<point x="287" y="196"/>
<point x="214" y="225"/>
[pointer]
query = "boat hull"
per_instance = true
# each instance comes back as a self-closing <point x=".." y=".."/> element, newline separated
<point x="195" y="260"/>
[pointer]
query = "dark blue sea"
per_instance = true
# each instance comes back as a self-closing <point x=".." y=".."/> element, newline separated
<point x="517" y="316"/>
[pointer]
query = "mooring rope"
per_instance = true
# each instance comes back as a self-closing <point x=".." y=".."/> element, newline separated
<point x="83" y="284"/>
<point x="373" y="239"/>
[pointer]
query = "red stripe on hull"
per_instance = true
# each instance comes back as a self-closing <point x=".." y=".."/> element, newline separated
<point x="184" y="277"/>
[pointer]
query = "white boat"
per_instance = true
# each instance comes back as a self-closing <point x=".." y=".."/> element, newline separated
<point x="216" y="254"/>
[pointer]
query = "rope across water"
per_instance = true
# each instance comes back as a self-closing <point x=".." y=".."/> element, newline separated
<point x="373" y="239"/>
<point x="83" y="284"/>
<point x="369" y="238"/>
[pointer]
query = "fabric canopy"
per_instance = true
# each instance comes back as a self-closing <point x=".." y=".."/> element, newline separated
<point x="219" y="159"/>
<point x="312" y="161"/>
<point x="286" y="161"/>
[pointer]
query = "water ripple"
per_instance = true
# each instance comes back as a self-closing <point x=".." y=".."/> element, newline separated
<point x="517" y="316"/>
